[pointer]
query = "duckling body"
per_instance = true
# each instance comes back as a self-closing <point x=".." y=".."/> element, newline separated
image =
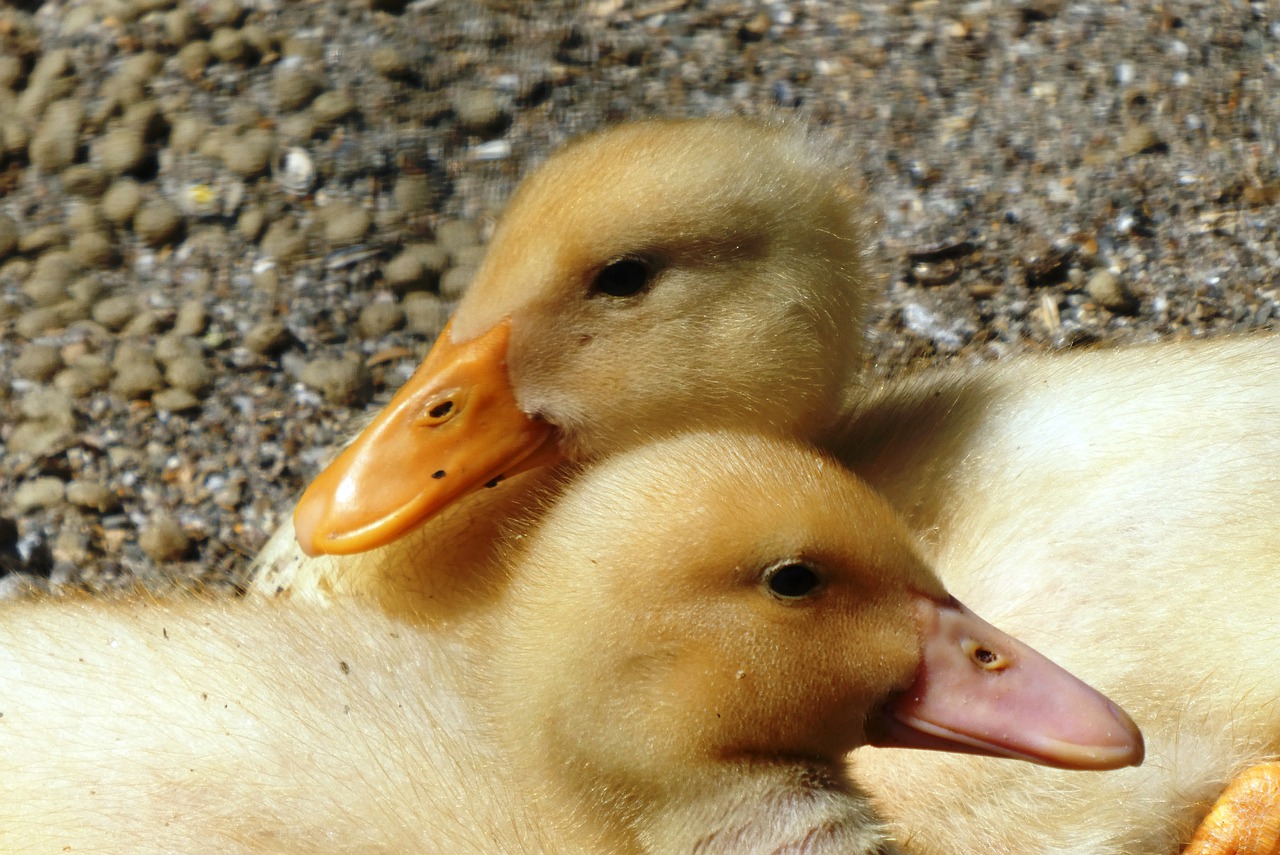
<point x="630" y="682"/>
<point x="1115" y="509"/>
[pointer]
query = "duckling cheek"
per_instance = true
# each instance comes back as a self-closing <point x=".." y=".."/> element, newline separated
<point x="980" y="691"/>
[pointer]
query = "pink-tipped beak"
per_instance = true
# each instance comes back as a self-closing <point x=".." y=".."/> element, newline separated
<point x="980" y="691"/>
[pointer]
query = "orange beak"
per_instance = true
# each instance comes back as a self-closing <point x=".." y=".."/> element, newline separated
<point x="452" y="428"/>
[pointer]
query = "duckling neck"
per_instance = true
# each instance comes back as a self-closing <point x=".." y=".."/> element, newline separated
<point x="770" y="808"/>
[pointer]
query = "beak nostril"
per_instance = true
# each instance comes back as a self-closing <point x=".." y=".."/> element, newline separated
<point x="984" y="657"/>
<point x="438" y="413"/>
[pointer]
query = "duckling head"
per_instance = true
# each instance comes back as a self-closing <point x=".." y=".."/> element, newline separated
<point x="656" y="276"/>
<point x="705" y="626"/>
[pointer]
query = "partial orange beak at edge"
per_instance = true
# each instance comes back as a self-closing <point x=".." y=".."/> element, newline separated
<point x="452" y="428"/>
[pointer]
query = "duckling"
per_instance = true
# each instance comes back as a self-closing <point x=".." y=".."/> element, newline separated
<point x="683" y="644"/>
<point x="1115" y="509"/>
<point x="961" y="471"/>
<point x="654" y="276"/>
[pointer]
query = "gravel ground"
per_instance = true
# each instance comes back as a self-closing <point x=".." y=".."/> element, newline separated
<point x="231" y="228"/>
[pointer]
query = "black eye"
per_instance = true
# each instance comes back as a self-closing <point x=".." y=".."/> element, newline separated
<point x="791" y="580"/>
<point x="623" y="278"/>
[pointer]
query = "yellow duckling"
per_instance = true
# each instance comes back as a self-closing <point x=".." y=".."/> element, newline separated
<point x="619" y="317"/>
<point x="678" y="652"/>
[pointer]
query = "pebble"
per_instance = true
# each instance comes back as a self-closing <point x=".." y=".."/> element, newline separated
<point x="413" y="193"/>
<point x="295" y="87"/>
<point x="93" y="495"/>
<point x="8" y="236"/>
<point x="157" y="222"/>
<point x="84" y="179"/>
<point x="188" y="373"/>
<point x="267" y="338"/>
<point x="194" y="58"/>
<point x="250" y="154"/>
<point x="251" y="222"/>
<point x="340" y="381"/>
<point x="175" y="401"/>
<point x="136" y="379"/>
<point x="390" y="63"/>
<point x="1108" y="291"/>
<point x="425" y="313"/>
<point x="121" y="201"/>
<point x="347" y="225"/>
<point x="37" y="493"/>
<point x="163" y="540"/>
<point x="39" y="362"/>
<point x="454" y="235"/>
<point x="332" y="107"/>
<point x="115" y="311"/>
<point x="480" y="112"/>
<point x="42" y="239"/>
<point x="192" y="318"/>
<point x="227" y="45"/>
<point x="93" y="249"/>
<point x="1138" y="139"/>
<point x="121" y="151"/>
<point x="417" y="267"/>
<point x="378" y="319"/>
<point x="455" y="281"/>
<point x="296" y="173"/>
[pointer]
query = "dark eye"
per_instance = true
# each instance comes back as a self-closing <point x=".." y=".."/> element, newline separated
<point x="623" y="278"/>
<point x="791" y="580"/>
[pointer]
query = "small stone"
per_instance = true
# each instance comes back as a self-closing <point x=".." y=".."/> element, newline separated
<point x="348" y="226"/>
<point x="147" y="120"/>
<point x="295" y="88"/>
<point x="164" y="540"/>
<point x="223" y="13"/>
<point x="53" y="148"/>
<point x="341" y="381"/>
<point x="455" y="281"/>
<point x="142" y="325"/>
<point x="378" y="319"/>
<point x="116" y="311"/>
<point x="180" y="27"/>
<point x="85" y="180"/>
<point x="296" y="172"/>
<point x="92" y="495"/>
<point x="189" y="373"/>
<point x="413" y="193"/>
<point x="192" y="318"/>
<point x="137" y="379"/>
<point x="175" y="401"/>
<point x="38" y="493"/>
<point x="34" y="323"/>
<point x="469" y="256"/>
<point x="121" y="201"/>
<point x="1109" y="292"/>
<point x="454" y="235"/>
<point x="157" y="222"/>
<point x="194" y="58"/>
<point x="227" y="45"/>
<point x="42" y="239"/>
<point x="480" y="112"/>
<point x="94" y="368"/>
<point x="49" y="405"/>
<point x="86" y="217"/>
<point x="86" y="289"/>
<point x="1138" y="139"/>
<point x="425" y="314"/>
<point x="93" y="249"/>
<point x="8" y="236"/>
<point x="251" y="222"/>
<point x="258" y="39"/>
<point x="417" y="267"/>
<point x="73" y="383"/>
<point x="329" y="108"/>
<point x="390" y="63"/>
<point x="267" y="338"/>
<point x="283" y="240"/>
<point x="175" y="345"/>
<point x="250" y="154"/>
<point x="38" y="362"/>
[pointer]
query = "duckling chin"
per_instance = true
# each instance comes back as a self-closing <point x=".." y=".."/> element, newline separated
<point x="678" y="650"/>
